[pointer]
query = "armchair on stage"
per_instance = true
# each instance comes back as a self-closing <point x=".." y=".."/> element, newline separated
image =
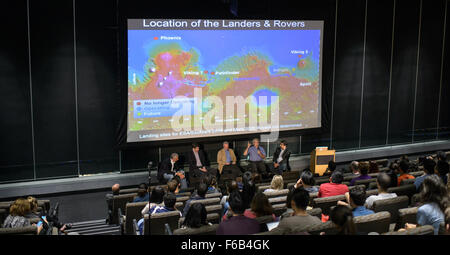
<point x="320" y="157"/>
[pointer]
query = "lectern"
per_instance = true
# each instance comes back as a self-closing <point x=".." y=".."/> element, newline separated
<point x="320" y="157"/>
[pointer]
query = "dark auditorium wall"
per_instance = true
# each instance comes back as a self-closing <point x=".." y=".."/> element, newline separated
<point x="386" y="79"/>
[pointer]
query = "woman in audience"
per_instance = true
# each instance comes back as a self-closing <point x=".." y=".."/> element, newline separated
<point x="260" y="206"/>
<point x="403" y="170"/>
<point x="211" y="182"/>
<point x="276" y="184"/>
<point x="142" y="193"/>
<point x="363" y="170"/>
<point x="342" y="217"/>
<point x="33" y="208"/>
<point x="307" y="181"/>
<point x="434" y="199"/>
<point x="373" y="167"/>
<point x="196" y="217"/>
<point x="231" y="186"/>
<point x="17" y="215"/>
<point x="156" y="198"/>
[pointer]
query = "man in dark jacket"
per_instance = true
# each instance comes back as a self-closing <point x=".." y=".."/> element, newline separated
<point x="197" y="163"/>
<point x="169" y="168"/>
<point x="281" y="159"/>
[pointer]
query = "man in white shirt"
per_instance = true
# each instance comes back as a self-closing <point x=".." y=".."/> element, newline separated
<point x="281" y="159"/>
<point x="383" y="183"/>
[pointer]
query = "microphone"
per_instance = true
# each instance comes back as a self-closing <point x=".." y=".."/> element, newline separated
<point x="149" y="167"/>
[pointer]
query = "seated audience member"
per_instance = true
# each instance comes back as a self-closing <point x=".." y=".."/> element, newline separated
<point x="434" y="199"/>
<point x="226" y="160"/>
<point x="173" y="186"/>
<point x="281" y="159"/>
<point x="210" y="181"/>
<point x="17" y="215"/>
<point x="289" y="211"/>
<point x="142" y="193"/>
<point x="300" y="218"/>
<point x="392" y="173"/>
<point x="156" y="198"/>
<point x="33" y="208"/>
<point x="364" y="170"/>
<point x="240" y="182"/>
<point x="109" y="198"/>
<point x="248" y="189"/>
<point x="334" y="187"/>
<point x="169" y="168"/>
<point x="355" y="200"/>
<point x="383" y="183"/>
<point x="231" y="187"/>
<point x="440" y="155"/>
<point x="342" y="217"/>
<point x="200" y="194"/>
<point x="331" y="168"/>
<point x="373" y="167"/>
<point x="195" y="217"/>
<point x="260" y="206"/>
<point x="256" y="155"/>
<point x="442" y="170"/>
<point x="276" y="184"/>
<point x="198" y="164"/>
<point x="167" y="206"/>
<point x="428" y="168"/>
<point x="354" y="168"/>
<point x="238" y="224"/>
<point x="403" y="170"/>
<point x="307" y="181"/>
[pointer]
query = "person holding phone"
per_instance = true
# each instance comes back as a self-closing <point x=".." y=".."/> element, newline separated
<point x="256" y="156"/>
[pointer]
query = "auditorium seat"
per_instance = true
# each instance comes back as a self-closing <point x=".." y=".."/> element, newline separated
<point x="325" y="203"/>
<point x="372" y="185"/>
<point x="120" y="201"/>
<point x="179" y="206"/>
<point x="322" y="180"/>
<point x="371" y="192"/>
<point x="182" y="194"/>
<point x="128" y="191"/>
<point x="392" y="205"/>
<point x="207" y="201"/>
<point x="365" y="182"/>
<point x="359" y="186"/>
<point x="213" y="195"/>
<point x="406" y="215"/>
<point x="405" y="190"/>
<point x="264" y="219"/>
<point x="275" y="231"/>
<point x="277" y="193"/>
<point x="3" y="214"/>
<point x="210" y="217"/>
<point x="277" y="200"/>
<point x="422" y="230"/>
<point x="30" y="230"/>
<point x="214" y="209"/>
<point x="157" y="221"/>
<point x="279" y="209"/>
<point x="290" y="175"/>
<point x="328" y="227"/>
<point x="132" y="211"/>
<point x="315" y="212"/>
<point x="312" y="196"/>
<point x="291" y="184"/>
<point x="377" y="222"/>
<point x="182" y="199"/>
<point x="382" y="162"/>
<point x="204" y="230"/>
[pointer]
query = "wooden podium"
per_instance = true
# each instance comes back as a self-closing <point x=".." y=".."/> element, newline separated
<point x="320" y="157"/>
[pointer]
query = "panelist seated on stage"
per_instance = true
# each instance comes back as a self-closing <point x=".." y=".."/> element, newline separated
<point x="281" y="159"/>
<point x="256" y="154"/>
<point x="226" y="160"/>
<point x="197" y="163"/>
<point x="170" y="168"/>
